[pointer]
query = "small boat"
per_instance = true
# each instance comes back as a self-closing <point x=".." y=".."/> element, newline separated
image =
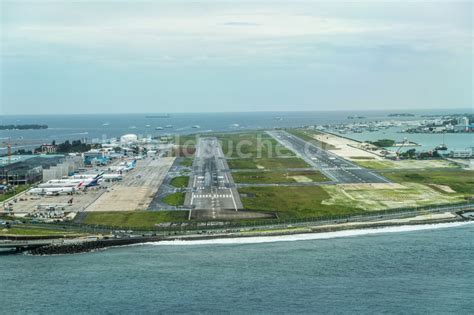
<point x="132" y="127"/>
<point x="196" y="126"/>
<point x="106" y="124"/>
<point x="169" y="126"/>
<point x="147" y="126"/>
<point x="441" y="147"/>
<point x="235" y="125"/>
<point x="159" y="128"/>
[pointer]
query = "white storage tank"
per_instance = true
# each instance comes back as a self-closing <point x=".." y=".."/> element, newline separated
<point x="129" y="138"/>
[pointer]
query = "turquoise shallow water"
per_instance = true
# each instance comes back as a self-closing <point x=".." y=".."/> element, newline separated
<point x="407" y="272"/>
<point x="91" y="127"/>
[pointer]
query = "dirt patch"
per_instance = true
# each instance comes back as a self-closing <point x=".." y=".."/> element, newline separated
<point x="301" y="179"/>
<point x="443" y="188"/>
<point x="371" y="186"/>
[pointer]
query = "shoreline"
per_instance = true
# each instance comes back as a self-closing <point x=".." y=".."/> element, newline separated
<point x="85" y="246"/>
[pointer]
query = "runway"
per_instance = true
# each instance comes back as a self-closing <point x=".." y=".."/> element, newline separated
<point x="211" y="185"/>
<point x="334" y="167"/>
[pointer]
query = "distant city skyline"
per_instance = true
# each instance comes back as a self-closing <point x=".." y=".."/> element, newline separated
<point x="64" y="57"/>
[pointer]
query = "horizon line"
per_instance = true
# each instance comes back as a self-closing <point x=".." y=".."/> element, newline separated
<point x="234" y="112"/>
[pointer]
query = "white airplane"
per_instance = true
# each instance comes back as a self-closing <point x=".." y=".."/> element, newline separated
<point x="103" y="176"/>
<point x="124" y="167"/>
<point x="51" y="191"/>
<point x="71" y="181"/>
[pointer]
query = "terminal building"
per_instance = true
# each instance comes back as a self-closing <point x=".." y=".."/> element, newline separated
<point x="461" y="154"/>
<point x="29" y="169"/>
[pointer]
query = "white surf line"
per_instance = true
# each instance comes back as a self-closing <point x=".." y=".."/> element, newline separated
<point x="311" y="236"/>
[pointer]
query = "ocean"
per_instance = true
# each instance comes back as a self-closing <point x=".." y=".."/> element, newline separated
<point x="411" y="270"/>
<point x="105" y="126"/>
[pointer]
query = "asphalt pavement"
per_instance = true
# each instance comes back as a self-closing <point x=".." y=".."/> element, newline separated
<point x="211" y="185"/>
<point x="333" y="166"/>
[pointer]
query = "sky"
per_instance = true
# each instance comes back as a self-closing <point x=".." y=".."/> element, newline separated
<point x="68" y="57"/>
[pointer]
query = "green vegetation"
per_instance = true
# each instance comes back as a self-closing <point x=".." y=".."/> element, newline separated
<point x="74" y="146"/>
<point x="252" y="145"/>
<point x="134" y="219"/>
<point x="292" y="202"/>
<point x="180" y="181"/>
<point x="257" y="150"/>
<point x="278" y="177"/>
<point x="186" y="140"/>
<point x="382" y="143"/>
<point x="183" y="151"/>
<point x="186" y="162"/>
<point x="335" y="200"/>
<point x="267" y="163"/>
<point x="406" y="164"/>
<point x="361" y="158"/>
<point x="176" y="199"/>
<point x="371" y="197"/>
<point x="16" y="190"/>
<point x="461" y="181"/>
<point x="24" y="231"/>
<point x="376" y="165"/>
<point x="307" y="135"/>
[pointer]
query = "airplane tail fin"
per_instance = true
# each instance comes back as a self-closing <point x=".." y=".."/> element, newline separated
<point x="94" y="182"/>
<point x="99" y="175"/>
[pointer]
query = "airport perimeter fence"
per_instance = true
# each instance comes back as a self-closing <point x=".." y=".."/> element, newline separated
<point x="229" y="226"/>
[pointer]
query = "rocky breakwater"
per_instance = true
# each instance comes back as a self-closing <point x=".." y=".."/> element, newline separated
<point x="88" y="246"/>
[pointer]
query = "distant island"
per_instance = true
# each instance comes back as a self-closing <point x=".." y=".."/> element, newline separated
<point x="401" y="115"/>
<point x="23" y="127"/>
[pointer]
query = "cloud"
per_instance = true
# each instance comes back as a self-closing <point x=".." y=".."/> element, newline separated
<point x="240" y="24"/>
<point x="223" y="32"/>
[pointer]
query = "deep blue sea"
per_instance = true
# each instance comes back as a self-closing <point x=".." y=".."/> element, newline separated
<point x="104" y="126"/>
<point x="395" y="271"/>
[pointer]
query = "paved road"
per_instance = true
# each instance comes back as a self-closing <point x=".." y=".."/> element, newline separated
<point x="212" y="186"/>
<point x="336" y="168"/>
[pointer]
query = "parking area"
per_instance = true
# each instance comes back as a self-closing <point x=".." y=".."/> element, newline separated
<point x="137" y="189"/>
<point x="27" y="203"/>
<point x="134" y="192"/>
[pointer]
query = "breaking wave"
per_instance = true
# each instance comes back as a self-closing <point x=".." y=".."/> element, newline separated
<point x="312" y="236"/>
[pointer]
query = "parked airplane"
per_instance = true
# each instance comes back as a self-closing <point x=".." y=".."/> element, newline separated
<point x="70" y="181"/>
<point x="104" y="176"/>
<point x="131" y="165"/>
<point x="55" y="190"/>
<point x="124" y="167"/>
